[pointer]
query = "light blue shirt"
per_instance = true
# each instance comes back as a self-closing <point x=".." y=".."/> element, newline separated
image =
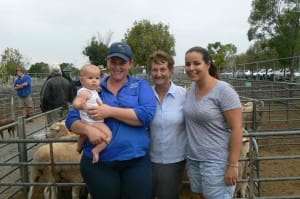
<point x="167" y="130"/>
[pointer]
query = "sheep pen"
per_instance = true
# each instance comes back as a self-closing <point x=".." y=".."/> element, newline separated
<point x="277" y="116"/>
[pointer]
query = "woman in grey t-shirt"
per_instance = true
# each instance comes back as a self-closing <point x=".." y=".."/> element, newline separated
<point x="213" y="117"/>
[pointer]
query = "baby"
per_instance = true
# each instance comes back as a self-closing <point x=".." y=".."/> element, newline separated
<point x="87" y="96"/>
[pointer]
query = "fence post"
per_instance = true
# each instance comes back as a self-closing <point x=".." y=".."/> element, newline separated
<point x="23" y="154"/>
<point x="254" y="125"/>
<point x="251" y="167"/>
<point x="12" y="105"/>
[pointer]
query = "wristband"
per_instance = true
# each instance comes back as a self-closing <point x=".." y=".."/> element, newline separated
<point x="233" y="165"/>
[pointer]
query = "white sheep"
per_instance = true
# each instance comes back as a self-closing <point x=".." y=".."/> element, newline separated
<point x="248" y="110"/>
<point x="62" y="152"/>
<point x="241" y="187"/>
<point x="57" y="130"/>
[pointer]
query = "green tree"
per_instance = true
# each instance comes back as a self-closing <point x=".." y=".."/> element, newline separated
<point x="69" y="69"/>
<point x="39" y="67"/>
<point x="11" y="59"/>
<point x="66" y="66"/>
<point x="277" y="23"/>
<point x="2" y="69"/>
<point x="222" y="54"/>
<point x="97" y="49"/>
<point x="145" y="38"/>
<point x="255" y="56"/>
<point x="259" y="52"/>
<point x="3" y="74"/>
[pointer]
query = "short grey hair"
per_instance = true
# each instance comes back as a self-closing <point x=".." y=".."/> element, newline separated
<point x="55" y="70"/>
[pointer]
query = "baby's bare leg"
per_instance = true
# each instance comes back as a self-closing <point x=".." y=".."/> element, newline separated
<point x="100" y="147"/>
<point x="96" y="150"/>
<point x="80" y="143"/>
<point x="105" y="129"/>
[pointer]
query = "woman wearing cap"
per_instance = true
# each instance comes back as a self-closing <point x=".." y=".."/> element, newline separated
<point x="124" y="170"/>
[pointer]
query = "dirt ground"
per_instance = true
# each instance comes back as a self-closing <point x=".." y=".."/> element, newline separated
<point x="280" y="146"/>
<point x="280" y="168"/>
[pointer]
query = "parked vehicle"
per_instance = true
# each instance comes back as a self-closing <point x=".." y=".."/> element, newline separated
<point x="238" y="74"/>
<point x="227" y="74"/>
<point x="276" y="74"/>
<point x="255" y="74"/>
<point x="297" y="75"/>
<point x="247" y="74"/>
<point x="270" y="74"/>
<point x="282" y="74"/>
<point x="261" y="74"/>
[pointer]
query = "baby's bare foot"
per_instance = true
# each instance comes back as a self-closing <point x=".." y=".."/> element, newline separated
<point x="79" y="148"/>
<point x="95" y="156"/>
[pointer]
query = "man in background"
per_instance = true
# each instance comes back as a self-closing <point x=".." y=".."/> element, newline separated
<point x="56" y="92"/>
<point x="23" y="87"/>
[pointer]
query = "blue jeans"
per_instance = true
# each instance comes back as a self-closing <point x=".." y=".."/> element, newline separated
<point x="128" y="179"/>
<point x="208" y="178"/>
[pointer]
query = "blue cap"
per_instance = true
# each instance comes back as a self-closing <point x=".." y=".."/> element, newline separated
<point x="121" y="50"/>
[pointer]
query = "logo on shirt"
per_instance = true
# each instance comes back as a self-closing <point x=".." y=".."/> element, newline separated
<point x="133" y="85"/>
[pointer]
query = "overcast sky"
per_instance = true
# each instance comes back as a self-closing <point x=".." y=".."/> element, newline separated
<point x="56" y="31"/>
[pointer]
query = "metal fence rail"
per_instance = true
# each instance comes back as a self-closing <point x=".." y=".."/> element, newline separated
<point x="17" y="153"/>
<point x="20" y="162"/>
<point x="16" y="157"/>
<point x="256" y="159"/>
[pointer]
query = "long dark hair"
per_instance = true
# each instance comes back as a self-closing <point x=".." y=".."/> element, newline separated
<point x="207" y="59"/>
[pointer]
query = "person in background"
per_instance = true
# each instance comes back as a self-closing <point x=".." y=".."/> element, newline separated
<point x="87" y="96"/>
<point x="213" y="117"/>
<point x="167" y="130"/>
<point x="66" y="75"/>
<point x="128" y="108"/>
<point x="56" y="92"/>
<point x="102" y="70"/>
<point x="23" y="87"/>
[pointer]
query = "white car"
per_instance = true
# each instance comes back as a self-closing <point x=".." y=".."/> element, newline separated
<point x="297" y="75"/>
<point x="276" y="74"/>
<point x="270" y="74"/>
<point x="261" y="74"/>
<point x="254" y="74"/>
<point x="282" y="74"/>
<point x="247" y="74"/>
<point x="227" y="74"/>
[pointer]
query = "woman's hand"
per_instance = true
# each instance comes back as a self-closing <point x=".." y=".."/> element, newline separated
<point x="99" y="89"/>
<point x="99" y="112"/>
<point x="231" y="175"/>
<point x="102" y="111"/>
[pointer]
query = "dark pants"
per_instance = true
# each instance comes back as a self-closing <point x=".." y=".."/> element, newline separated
<point x="129" y="179"/>
<point x="167" y="180"/>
